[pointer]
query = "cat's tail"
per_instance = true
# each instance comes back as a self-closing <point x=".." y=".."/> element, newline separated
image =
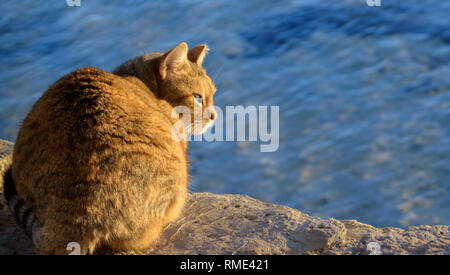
<point x="22" y="214"/>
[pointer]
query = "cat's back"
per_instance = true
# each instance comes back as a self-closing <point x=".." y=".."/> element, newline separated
<point x="90" y="91"/>
<point x="91" y="126"/>
<point x="92" y="104"/>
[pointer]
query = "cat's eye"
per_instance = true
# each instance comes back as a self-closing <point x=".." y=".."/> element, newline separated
<point x="198" y="98"/>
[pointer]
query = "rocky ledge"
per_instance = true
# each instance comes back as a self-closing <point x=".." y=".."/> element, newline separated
<point x="236" y="224"/>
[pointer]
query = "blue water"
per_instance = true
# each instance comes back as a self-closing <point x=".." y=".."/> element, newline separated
<point x="364" y="92"/>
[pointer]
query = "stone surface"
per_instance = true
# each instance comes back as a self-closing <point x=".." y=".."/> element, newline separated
<point x="6" y="148"/>
<point x="236" y="224"/>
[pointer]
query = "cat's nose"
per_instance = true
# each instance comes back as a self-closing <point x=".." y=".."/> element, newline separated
<point x="213" y="115"/>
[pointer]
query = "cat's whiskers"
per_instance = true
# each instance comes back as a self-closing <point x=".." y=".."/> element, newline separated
<point x="216" y="73"/>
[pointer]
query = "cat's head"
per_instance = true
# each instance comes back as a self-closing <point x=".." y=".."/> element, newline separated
<point x="178" y="77"/>
<point x="182" y="81"/>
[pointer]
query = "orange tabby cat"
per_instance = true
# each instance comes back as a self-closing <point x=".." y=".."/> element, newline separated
<point x="95" y="161"/>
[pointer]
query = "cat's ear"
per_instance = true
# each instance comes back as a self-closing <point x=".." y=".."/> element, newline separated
<point x="198" y="53"/>
<point x="173" y="60"/>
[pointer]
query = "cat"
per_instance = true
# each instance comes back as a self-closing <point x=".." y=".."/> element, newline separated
<point x="95" y="161"/>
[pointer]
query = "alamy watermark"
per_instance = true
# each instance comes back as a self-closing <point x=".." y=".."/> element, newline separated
<point x="74" y="248"/>
<point x="237" y="123"/>
<point x="73" y="3"/>
<point x="373" y="248"/>
<point x="373" y="3"/>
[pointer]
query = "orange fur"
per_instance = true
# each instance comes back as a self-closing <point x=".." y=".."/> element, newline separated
<point x="95" y="158"/>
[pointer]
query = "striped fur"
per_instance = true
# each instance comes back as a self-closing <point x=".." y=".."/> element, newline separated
<point x="23" y="215"/>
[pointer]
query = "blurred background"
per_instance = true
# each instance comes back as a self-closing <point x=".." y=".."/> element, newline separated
<point x="364" y="92"/>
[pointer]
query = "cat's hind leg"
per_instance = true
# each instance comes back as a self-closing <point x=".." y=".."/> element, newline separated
<point x="138" y="240"/>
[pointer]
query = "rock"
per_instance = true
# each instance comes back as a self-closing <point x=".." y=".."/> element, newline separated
<point x="12" y="239"/>
<point x="6" y="148"/>
<point x="237" y="224"/>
